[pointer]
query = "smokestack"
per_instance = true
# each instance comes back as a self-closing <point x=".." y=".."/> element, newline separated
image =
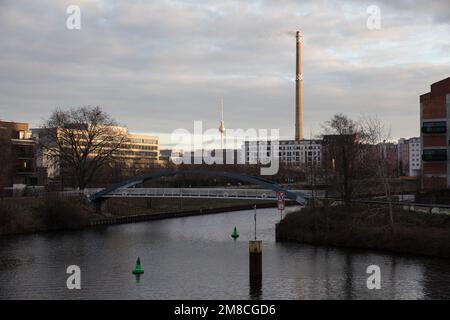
<point x="298" y="90"/>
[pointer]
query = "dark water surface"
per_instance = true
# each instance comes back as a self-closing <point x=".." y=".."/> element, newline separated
<point x="195" y="258"/>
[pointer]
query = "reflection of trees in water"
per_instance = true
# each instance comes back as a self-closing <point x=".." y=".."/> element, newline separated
<point x="436" y="279"/>
<point x="328" y="284"/>
<point x="348" y="285"/>
<point x="332" y="273"/>
<point x="392" y="276"/>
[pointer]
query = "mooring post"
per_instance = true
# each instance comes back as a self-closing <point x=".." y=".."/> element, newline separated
<point x="255" y="255"/>
<point x="255" y="258"/>
<point x="254" y="207"/>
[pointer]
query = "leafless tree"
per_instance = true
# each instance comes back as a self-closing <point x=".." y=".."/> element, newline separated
<point x="342" y="153"/>
<point x="376" y="134"/>
<point x="81" y="141"/>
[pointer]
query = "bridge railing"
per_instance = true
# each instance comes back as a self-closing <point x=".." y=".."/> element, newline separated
<point x="195" y="193"/>
<point x="244" y="193"/>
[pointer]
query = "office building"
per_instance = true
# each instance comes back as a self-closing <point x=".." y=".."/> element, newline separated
<point x="409" y="157"/>
<point x="290" y="152"/>
<point x="435" y="124"/>
<point x="137" y="152"/>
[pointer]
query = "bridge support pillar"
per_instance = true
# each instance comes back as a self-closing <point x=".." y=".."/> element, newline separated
<point x="149" y="203"/>
<point x="101" y="207"/>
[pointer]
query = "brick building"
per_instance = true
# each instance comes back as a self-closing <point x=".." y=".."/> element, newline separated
<point x="435" y="124"/>
<point x="18" y="155"/>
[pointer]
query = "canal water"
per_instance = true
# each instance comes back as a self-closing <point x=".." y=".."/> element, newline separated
<point x="196" y="258"/>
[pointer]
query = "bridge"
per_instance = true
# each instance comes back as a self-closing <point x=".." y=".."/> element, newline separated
<point x="212" y="193"/>
<point x="268" y="189"/>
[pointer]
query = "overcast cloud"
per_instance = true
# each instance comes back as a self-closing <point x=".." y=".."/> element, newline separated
<point x="159" y="65"/>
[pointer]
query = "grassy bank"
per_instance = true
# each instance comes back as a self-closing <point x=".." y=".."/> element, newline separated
<point x="111" y="219"/>
<point x="53" y="212"/>
<point x="47" y="213"/>
<point x="366" y="228"/>
<point x="119" y="207"/>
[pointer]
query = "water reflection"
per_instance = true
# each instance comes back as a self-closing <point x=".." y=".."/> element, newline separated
<point x="436" y="287"/>
<point x="195" y="258"/>
<point x="137" y="277"/>
<point x="255" y="284"/>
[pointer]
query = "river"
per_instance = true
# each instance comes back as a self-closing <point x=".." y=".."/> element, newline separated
<point x="195" y="258"/>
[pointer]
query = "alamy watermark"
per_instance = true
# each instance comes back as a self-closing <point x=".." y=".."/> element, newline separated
<point x="374" y="280"/>
<point x="74" y="280"/>
<point x="73" y="21"/>
<point x="259" y="146"/>
<point x="374" y="20"/>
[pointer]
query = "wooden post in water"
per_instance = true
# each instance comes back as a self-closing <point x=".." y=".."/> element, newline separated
<point x="255" y="258"/>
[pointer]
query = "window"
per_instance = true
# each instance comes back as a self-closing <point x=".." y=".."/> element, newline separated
<point x="434" y="127"/>
<point x="434" y="155"/>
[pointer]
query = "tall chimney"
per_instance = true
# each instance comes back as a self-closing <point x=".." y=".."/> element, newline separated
<point x="298" y="91"/>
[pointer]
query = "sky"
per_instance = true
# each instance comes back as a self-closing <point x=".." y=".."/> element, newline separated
<point x="158" y="66"/>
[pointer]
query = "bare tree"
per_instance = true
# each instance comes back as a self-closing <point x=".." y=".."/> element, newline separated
<point x="81" y="141"/>
<point x="342" y="153"/>
<point x="375" y="134"/>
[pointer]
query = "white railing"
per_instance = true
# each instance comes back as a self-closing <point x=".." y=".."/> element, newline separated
<point x="218" y="193"/>
<point x="194" y="193"/>
<point x="189" y="193"/>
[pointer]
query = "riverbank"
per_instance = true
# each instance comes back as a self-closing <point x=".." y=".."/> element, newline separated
<point x="368" y="228"/>
<point x="56" y="213"/>
<point x="180" y="214"/>
<point x="39" y="214"/>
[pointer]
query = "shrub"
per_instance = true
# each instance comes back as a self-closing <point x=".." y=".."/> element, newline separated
<point x="57" y="212"/>
<point x="369" y="228"/>
<point x="15" y="218"/>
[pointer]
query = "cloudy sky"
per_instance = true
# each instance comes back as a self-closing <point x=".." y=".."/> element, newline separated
<point x="159" y="65"/>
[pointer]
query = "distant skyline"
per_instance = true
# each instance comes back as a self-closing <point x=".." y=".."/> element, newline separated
<point x="157" y="66"/>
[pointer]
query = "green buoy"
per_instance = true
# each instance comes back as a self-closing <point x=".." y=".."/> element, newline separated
<point x="235" y="234"/>
<point x="138" y="268"/>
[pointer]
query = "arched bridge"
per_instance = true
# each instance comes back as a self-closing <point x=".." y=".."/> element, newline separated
<point x="124" y="188"/>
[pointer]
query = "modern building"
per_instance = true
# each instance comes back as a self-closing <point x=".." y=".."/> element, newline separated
<point x="409" y="157"/>
<point x="290" y="152"/>
<point x="165" y="155"/>
<point x="18" y="155"/>
<point x="435" y="125"/>
<point x="137" y="152"/>
<point x="140" y="151"/>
